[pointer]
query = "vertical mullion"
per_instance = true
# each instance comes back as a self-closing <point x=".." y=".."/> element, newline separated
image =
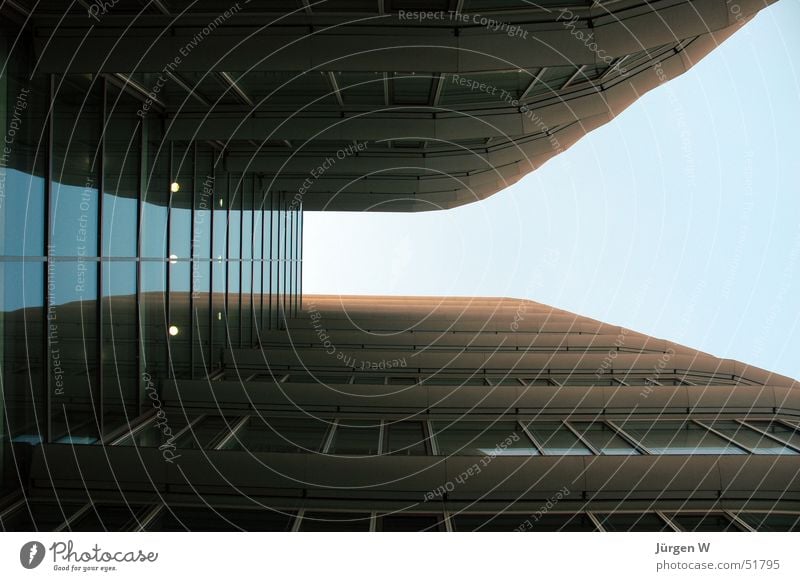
<point x="253" y="332"/>
<point x="99" y="309"/>
<point x="228" y="340"/>
<point x="140" y="184"/>
<point x="291" y="245"/>
<point x="300" y="265"/>
<point x="48" y="189"/>
<point x="192" y="258"/>
<point x="261" y="298"/>
<point x="241" y="253"/>
<point x="211" y="265"/>
<point x="168" y="289"/>
<point x="285" y="256"/>
<point x="271" y="250"/>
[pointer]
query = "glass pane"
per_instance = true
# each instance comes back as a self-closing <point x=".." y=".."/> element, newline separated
<point x="157" y="432"/>
<point x="634" y="522"/>
<point x="181" y="518"/>
<point x="75" y="199"/>
<point x="482" y="439"/>
<point x="771" y="522"/>
<point x="677" y="437"/>
<point x="411" y="523"/>
<point x="369" y="379"/>
<point x="552" y="522"/>
<point x="109" y="518"/>
<point x="356" y="437"/>
<point x="280" y="435"/>
<point x="604" y="439"/>
<point x="73" y="352"/>
<point x="120" y="371"/>
<point x="487" y="522"/>
<point x="180" y="233"/>
<point x="778" y="430"/>
<point x="555" y="439"/>
<point x="206" y="433"/>
<point x="703" y="522"/>
<point x="21" y="213"/>
<point x="21" y="347"/>
<point x="755" y="441"/>
<point x="335" y="521"/>
<point x="406" y="438"/>
<point x="39" y="516"/>
<point x="154" y="225"/>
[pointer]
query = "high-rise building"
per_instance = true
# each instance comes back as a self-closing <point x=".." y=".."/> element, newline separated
<point x="402" y="413"/>
<point x="161" y="368"/>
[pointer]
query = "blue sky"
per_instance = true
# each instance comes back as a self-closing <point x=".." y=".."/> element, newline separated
<point x="680" y="219"/>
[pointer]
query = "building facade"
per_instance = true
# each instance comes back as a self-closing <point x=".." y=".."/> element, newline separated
<point x="402" y="413"/>
<point x="160" y="366"/>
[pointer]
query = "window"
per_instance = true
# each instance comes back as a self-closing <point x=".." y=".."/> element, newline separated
<point x="749" y="438"/>
<point x="556" y="439"/>
<point x="633" y="522"/>
<point x="181" y="518"/>
<point x="411" y="523"/>
<point x="103" y="517"/>
<point x="206" y="433"/>
<point x="771" y="522"/>
<point x="677" y="437"/>
<point x="39" y="516"/>
<point x="777" y="429"/>
<point x="482" y="439"/>
<point x="335" y="521"/>
<point x="553" y="522"/>
<point x="604" y="439"/>
<point x="467" y="522"/>
<point x="356" y="437"/>
<point x="406" y="438"/>
<point x="698" y="522"/>
<point x="280" y="435"/>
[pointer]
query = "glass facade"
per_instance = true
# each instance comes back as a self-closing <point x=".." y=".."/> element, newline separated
<point x="125" y="261"/>
<point x="348" y="436"/>
<point x="76" y="517"/>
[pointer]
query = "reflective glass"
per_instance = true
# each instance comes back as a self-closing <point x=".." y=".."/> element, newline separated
<point x="677" y="437"/>
<point x="604" y="439"/>
<point x="555" y="439"/>
<point x="280" y="435"/>
<point x="749" y="438"/>
<point x="482" y="439"/>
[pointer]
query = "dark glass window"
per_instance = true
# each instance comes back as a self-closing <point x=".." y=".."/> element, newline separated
<point x="256" y="519"/>
<point x="411" y="523"/>
<point x="406" y="438"/>
<point x="469" y="522"/>
<point x="604" y="439"/>
<point x="102" y="517"/>
<point x="206" y="433"/>
<point x="335" y="521"/>
<point x="771" y="522"/>
<point x="710" y="522"/>
<point x="39" y="516"/>
<point x="280" y="435"/>
<point x="154" y="226"/>
<point x="556" y="439"/>
<point x="749" y="438"/>
<point x="356" y="437"/>
<point x="22" y="214"/>
<point x="779" y="430"/>
<point x="553" y="521"/>
<point x="677" y="437"/>
<point x="633" y="522"/>
<point x="482" y="439"/>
